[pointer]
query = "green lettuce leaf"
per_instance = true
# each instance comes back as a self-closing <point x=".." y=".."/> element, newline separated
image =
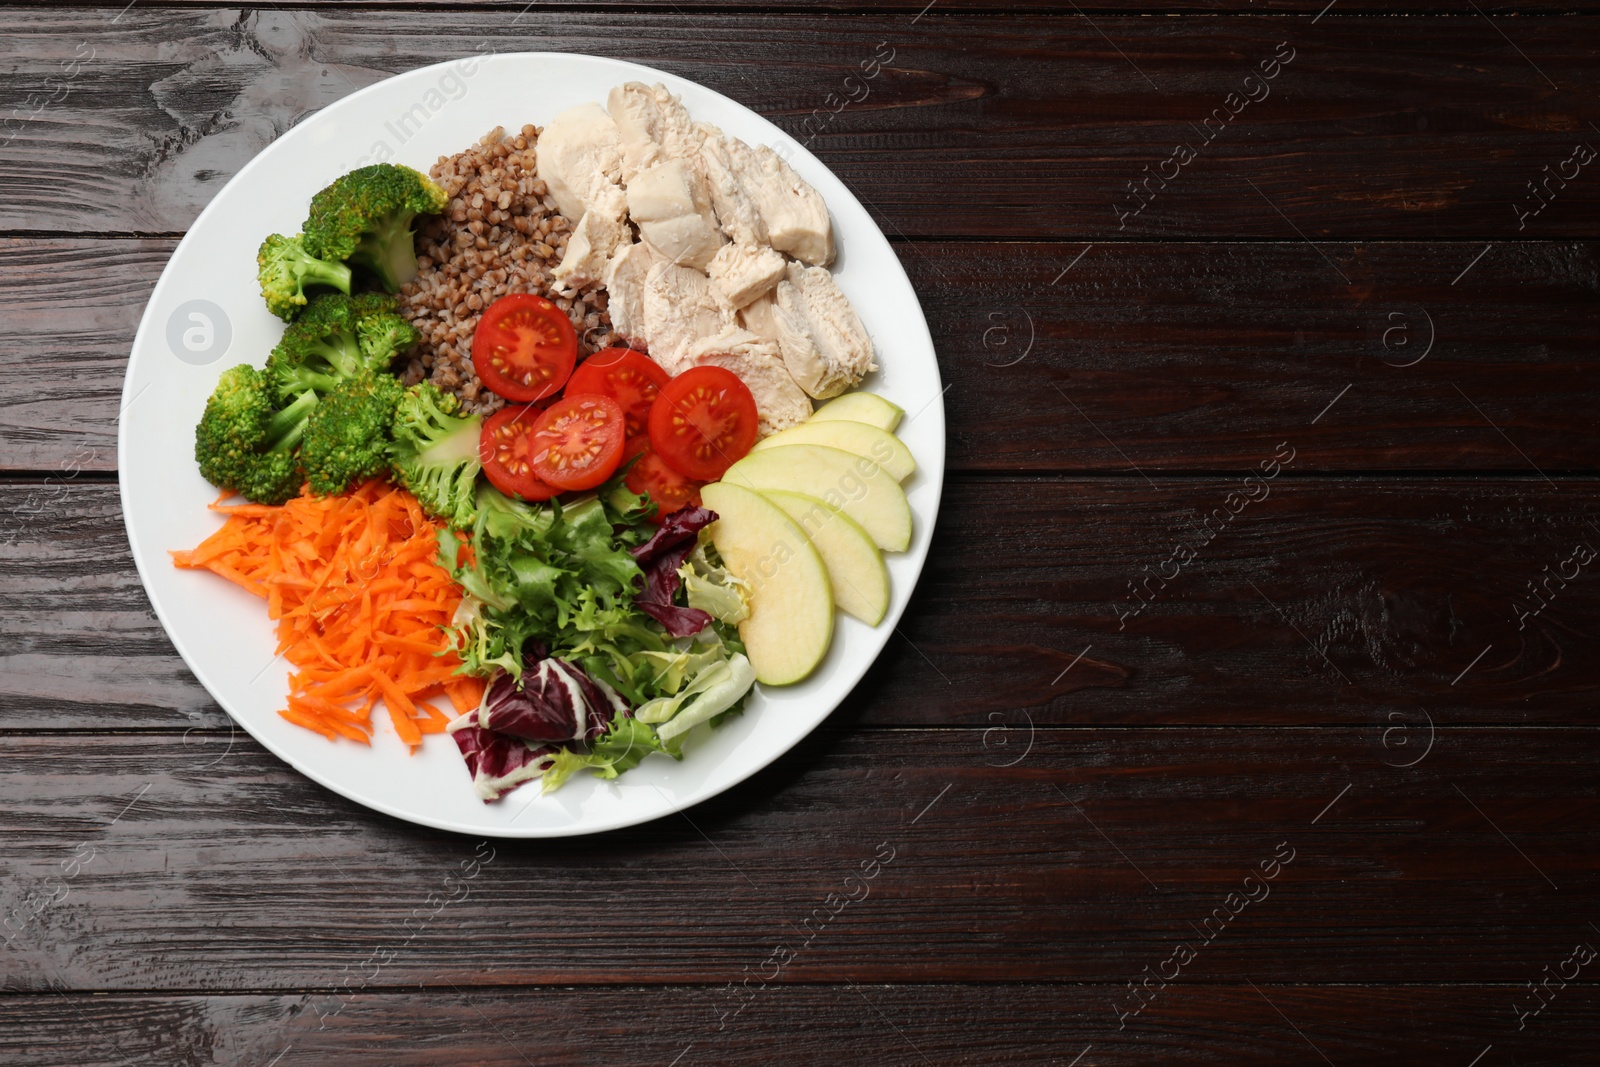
<point x="712" y="589"/>
<point x="560" y="575"/>
<point x="619" y="749"/>
<point x="731" y="682"/>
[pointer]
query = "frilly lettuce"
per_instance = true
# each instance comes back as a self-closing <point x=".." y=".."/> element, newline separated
<point x="619" y="749"/>
<point x="712" y="589"/>
<point x="697" y="682"/>
<point x="560" y="575"/>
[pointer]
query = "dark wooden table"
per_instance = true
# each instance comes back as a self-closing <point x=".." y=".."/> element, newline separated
<point x="1168" y="764"/>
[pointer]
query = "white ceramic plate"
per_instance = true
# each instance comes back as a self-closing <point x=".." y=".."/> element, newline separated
<point x="206" y="314"/>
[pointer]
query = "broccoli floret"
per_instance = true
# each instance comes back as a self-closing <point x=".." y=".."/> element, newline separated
<point x="285" y="269"/>
<point x="365" y="219"/>
<point x="245" y="443"/>
<point x="435" y="453"/>
<point x="336" y="338"/>
<point x="347" y="436"/>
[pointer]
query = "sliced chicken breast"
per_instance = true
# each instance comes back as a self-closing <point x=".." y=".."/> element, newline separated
<point x="780" y="403"/>
<point x="625" y="281"/>
<point x="740" y="273"/>
<point x="737" y="212"/>
<point x="578" y="152"/>
<point x="679" y="309"/>
<point x="673" y="211"/>
<point x="824" y="345"/>
<point x="652" y="125"/>
<point x="599" y="235"/>
<point x="793" y="217"/>
<point x="760" y="317"/>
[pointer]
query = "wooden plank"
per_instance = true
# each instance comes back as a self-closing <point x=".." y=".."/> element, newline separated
<point x="1195" y="356"/>
<point x="1356" y="601"/>
<point x="1014" y="1023"/>
<point x="1167" y="357"/>
<point x="73" y="309"/>
<point x="1088" y="861"/>
<point x="1025" y="126"/>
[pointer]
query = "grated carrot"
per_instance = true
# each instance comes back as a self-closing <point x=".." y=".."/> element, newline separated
<point x="360" y="604"/>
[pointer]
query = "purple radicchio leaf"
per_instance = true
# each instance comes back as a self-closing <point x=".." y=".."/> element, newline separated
<point x="659" y="558"/>
<point x="498" y="763"/>
<point x="551" y="701"/>
<point x="679" y="621"/>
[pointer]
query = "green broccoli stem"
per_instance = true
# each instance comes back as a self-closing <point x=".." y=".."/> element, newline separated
<point x="390" y="250"/>
<point x="299" y="380"/>
<point x="314" y="271"/>
<point x="343" y="353"/>
<point x="286" y="428"/>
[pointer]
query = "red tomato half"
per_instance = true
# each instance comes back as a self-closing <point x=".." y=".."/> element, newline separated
<point x="505" y="448"/>
<point x="703" y="422"/>
<point x="524" y="347"/>
<point x="630" y="378"/>
<point x="577" y="442"/>
<point x="669" y="489"/>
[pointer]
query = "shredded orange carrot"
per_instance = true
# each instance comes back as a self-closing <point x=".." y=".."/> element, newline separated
<point x="360" y="603"/>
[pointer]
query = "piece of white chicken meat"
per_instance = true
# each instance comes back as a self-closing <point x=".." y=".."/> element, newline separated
<point x="780" y="403"/>
<point x="678" y="310"/>
<point x="578" y="153"/>
<point x="760" y="200"/>
<point x="668" y="198"/>
<point x="824" y="345"/>
<point x="669" y="203"/>
<point x="579" y="159"/>
<point x="624" y="281"/>
<point x="652" y="126"/>
<point x="760" y="317"/>
<point x="743" y="273"/>
<point x="600" y="234"/>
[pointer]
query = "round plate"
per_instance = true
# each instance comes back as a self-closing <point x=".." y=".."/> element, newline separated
<point x="206" y="314"/>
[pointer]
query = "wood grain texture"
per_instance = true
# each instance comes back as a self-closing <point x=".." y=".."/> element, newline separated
<point x="1166" y="357"/>
<point x="1353" y="601"/>
<point x="1022" y="126"/>
<point x="1087" y="861"/>
<point x="1197" y="1024"/>
<point x="1372" y="674"/>
<point x="935" y="11"/>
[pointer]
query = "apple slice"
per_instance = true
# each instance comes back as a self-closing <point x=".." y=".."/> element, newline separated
<point x="791" y="606"/>
<point x="869" y="408"/>
<point x="855" y="566"/>
<point x="857" y="438"/>
<point x="858" y="487"/>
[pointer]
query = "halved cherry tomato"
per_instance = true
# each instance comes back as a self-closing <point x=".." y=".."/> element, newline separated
<point x="650" y="474"/>
<point x="630" y="378"/>
<point x="577" y="442"/>
<point x="505" y="448"/>
<point x="703" y="422"/>
<point x="524" y="347"/>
